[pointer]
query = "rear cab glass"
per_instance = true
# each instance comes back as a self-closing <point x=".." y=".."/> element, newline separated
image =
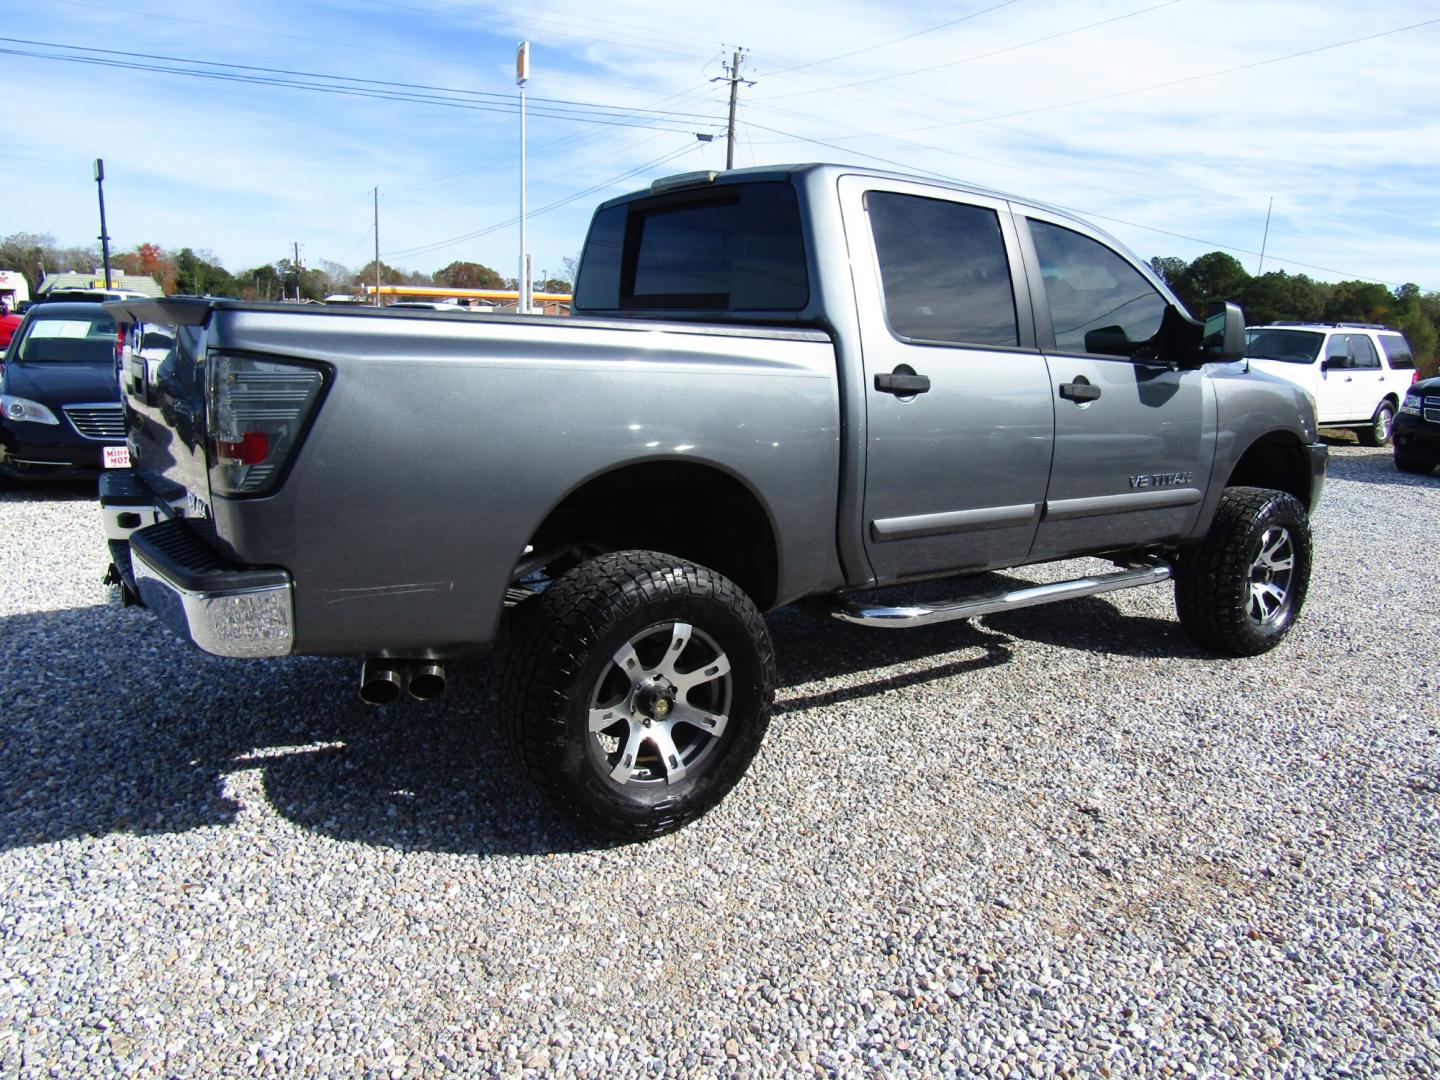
<point x="734" y="247"/>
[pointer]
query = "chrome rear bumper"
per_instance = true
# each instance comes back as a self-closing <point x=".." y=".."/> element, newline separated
<point x="238" y="619"/>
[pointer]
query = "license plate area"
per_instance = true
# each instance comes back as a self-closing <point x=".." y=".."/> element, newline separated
<point x="115" y="457"/>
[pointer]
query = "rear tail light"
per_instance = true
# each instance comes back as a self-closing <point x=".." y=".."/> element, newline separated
<point x="1414" y="376"/>
<point x="258" y="411"/>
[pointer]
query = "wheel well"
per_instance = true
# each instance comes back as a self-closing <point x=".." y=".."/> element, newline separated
<point x="681" y="508"/>
<point x="1274" y="461"/>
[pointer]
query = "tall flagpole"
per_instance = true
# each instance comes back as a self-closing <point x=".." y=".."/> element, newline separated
<point x="522" y="280"/>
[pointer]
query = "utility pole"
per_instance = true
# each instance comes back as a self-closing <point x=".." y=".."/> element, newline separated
<point x="522" y="76"/>
<point x="732" y="76"/>
<point x="297" y="271"/>
<point x="104" y="235"/>
<point x="377" y="247"/>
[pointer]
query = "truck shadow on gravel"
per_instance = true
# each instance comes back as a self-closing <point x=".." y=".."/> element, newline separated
<point x="63" y="491"/>
<point x="110" y="726"/>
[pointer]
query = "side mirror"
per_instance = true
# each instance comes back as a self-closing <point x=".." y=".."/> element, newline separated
<point x="1224" y="332"/>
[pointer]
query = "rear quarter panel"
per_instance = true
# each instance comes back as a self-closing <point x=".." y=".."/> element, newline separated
<point x="444" y="441"/>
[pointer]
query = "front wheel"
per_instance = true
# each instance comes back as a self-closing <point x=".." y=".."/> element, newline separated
<point x="637" y="690"/>
<point x="1378" y="433"/>
<point x="1240" y="590"/>
<point x="1412" y="465"/>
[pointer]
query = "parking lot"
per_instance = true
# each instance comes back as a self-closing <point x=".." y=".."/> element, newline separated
<point x="1059" y="841"/>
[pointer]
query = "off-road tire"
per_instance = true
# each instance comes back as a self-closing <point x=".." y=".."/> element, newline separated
<point x="1412" y="465"/>
<point x="1381" y="425"/>
<point x="1224" y="586"/>
<point x="561" y="659"/>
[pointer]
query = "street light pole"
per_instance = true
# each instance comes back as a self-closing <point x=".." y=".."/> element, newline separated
<point x="104" y="236"/>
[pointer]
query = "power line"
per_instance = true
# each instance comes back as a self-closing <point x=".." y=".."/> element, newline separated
<point x="1078" y="212"/>
<point x="893" y="41"/>
<point x="475" y="100"/>
<point x="1172" y="82"/>
<point x="573" y="141"/>
<point x="426" y="249"/>
<point x="980" y="56"/>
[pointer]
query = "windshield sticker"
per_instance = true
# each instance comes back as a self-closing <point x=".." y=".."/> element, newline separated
<point x="60" y="328"/>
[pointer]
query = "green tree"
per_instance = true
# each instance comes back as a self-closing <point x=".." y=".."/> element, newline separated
<point x="26" y="252"/>
<point x="468" y="275"/>
<point x="261" y="283"/>
<point x="1281" y="297"/>
<point x="198" y="275"/>
<point x="1359" y="301"/>
<point x="1214" y="276"/>
<point x="1168" y="269"/>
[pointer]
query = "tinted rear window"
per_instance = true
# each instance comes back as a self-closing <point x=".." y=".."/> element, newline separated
<point x="1397" y="351"/>
<point x="69" y="339"/>
<point x="1291" y="346"/>
<point x="737" y="248"/>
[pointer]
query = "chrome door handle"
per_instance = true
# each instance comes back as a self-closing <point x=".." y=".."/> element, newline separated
<point x="1080" y="390"/>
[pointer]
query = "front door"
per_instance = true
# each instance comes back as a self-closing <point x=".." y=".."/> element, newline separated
<point x="1134" y="433"/>
<point x="957" y="397"/>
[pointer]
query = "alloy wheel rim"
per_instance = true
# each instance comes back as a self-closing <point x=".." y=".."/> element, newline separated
<point x="661" y="706"/>
<point x="1271" y="575"/>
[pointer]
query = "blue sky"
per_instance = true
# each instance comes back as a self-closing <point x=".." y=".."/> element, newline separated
<point x="1172" y="123"/>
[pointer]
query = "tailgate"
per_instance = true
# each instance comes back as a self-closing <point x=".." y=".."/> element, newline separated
<point x="162" y="390"/>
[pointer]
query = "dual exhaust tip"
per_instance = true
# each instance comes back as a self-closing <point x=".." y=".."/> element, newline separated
<point x="383" y="681"/>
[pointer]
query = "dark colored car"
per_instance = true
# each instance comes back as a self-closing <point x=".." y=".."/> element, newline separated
<point x="59" y="399"/>
<point x="1417" y="428"/>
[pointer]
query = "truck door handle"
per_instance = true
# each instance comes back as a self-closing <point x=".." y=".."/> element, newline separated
<point x="1079" y="390"/>
<point x="900" y="383"/>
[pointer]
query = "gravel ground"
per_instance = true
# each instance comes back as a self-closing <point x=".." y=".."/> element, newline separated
<point x="1056" y="842"/>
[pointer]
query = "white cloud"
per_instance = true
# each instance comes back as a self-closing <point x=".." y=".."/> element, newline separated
<point x="1342" y="138"/>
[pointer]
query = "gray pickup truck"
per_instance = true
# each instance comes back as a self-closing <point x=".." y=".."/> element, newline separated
<point x="785" y="385"/>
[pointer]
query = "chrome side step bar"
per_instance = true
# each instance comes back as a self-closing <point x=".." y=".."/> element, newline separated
<point x="855" y="611"/>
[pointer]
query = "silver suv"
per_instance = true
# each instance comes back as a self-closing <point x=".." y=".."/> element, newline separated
<point x="1356" y="372"/>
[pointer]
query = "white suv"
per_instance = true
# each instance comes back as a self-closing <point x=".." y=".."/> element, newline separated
<point x="1356" y="372"/>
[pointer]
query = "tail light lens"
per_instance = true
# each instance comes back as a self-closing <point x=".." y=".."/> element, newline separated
<point x="258" y="411"/>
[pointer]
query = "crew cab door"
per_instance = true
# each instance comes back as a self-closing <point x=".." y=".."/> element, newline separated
<point x="959" y="423"/>
<point x="1134" y="432"/>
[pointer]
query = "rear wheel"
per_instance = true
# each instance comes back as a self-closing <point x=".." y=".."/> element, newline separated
<point x="1240" y="590"/>
<point x="637" y="690"/>
<point x="1378" y="433"/>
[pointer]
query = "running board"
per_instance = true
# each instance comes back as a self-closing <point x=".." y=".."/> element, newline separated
<point x="854" y="611"/>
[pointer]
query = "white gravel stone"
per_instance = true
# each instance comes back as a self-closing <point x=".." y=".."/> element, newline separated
<point x="1059" y="842"/>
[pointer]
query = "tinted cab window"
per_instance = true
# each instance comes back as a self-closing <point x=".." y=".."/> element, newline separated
<point x="1098" y="302"/>
<point x="943" y="271"/>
